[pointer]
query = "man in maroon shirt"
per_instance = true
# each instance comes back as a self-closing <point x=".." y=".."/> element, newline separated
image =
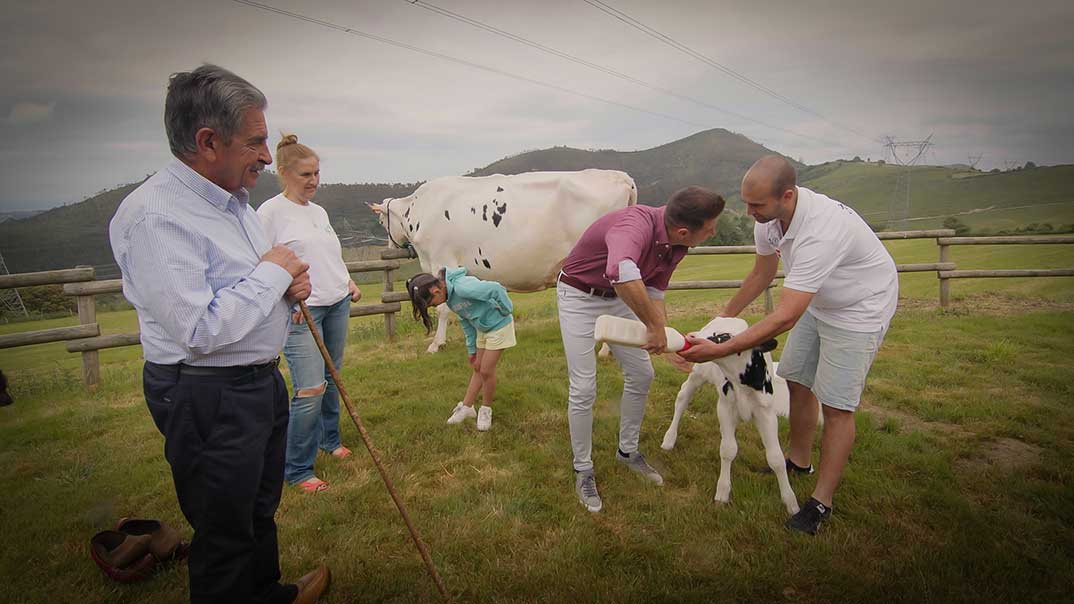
<point x="621" y="266"/>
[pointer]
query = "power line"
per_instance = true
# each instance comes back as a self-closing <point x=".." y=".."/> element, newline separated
<point x="631" y="21"/>
<point x="603" y="69"/>
<point x="431" y="53"/>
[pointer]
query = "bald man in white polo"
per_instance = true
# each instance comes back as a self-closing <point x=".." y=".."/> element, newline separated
<point x="839" y="294"/>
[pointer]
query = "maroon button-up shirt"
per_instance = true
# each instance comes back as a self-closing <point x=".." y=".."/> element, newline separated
<point x="634" y="233"/>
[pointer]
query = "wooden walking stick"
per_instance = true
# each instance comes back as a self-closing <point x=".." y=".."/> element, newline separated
<point x="422" y="549"/>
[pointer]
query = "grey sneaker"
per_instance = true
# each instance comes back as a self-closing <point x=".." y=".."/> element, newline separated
<point x="636" y="462"/>
<point x="460" y="413"/>
<point x="585" y="486"/>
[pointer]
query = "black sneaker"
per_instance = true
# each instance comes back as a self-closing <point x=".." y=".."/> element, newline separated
<point x="808" y="519"/>
<point x="792" y="469"/>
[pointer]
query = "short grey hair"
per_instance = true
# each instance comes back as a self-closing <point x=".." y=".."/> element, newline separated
<point x="208" y="97"/>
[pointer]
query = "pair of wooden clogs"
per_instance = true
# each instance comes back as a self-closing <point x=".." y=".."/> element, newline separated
<point x="131" y="552"/>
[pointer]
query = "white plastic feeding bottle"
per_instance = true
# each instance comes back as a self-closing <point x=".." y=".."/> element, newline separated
<point x="628" y="332"/>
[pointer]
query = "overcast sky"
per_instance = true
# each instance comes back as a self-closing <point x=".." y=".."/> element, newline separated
<point x="83" y="82"/>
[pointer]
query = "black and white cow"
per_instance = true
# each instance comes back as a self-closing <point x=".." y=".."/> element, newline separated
<point x="516" y="230"/>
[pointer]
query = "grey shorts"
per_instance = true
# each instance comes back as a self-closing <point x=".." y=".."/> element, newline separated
<point x="829" y="360"/>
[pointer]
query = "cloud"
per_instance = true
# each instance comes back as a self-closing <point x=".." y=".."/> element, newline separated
<point x="29" y="113"/>
<point x="983" y="76"/>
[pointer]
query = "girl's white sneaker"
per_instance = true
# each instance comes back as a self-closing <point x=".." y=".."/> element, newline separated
<point x="484" y="418"/>
<point x="460" y="413"/>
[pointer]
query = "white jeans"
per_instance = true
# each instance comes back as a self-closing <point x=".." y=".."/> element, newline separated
<point x="578" y="312"/>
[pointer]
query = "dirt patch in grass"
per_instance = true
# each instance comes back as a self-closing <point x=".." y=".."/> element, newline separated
<point x="908" y="422"/>
<point x="1004" y="454"/>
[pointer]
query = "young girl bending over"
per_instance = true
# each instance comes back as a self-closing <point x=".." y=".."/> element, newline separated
<point x="485" y="314"/>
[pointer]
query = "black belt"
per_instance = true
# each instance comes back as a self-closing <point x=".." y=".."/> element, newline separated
<point x="579" y="285"/>
<point x="234" y="371"/>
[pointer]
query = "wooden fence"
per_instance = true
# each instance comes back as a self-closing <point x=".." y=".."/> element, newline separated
<point x="86" y="338"/>
<point x="942" y="265"/>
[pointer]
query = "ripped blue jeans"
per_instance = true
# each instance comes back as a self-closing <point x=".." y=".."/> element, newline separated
<point x="314" y="419"/>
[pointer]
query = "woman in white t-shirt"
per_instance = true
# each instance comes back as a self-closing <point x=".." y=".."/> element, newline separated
<point x="292" y="219"/>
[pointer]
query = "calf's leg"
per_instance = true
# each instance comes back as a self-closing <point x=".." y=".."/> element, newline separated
<point x="768" y="426"/>
<point x="728" y="415"/>
<point x="682" y="401"/>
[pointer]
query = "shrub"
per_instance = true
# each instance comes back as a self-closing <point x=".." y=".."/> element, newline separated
<point x="47" y="300"/>
<point x="957" y="225"/>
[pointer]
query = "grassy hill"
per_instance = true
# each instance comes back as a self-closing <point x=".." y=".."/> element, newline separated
<point x="983" y="201"/>
<point x="715" y="159"/>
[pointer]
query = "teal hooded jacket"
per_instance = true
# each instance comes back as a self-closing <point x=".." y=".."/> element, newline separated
<point x="481" y="305"/>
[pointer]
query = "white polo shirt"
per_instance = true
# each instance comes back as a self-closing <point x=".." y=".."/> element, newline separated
<point x="829" y="251"/>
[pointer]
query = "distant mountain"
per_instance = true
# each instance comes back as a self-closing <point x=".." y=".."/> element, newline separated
<point x="17" y="214"/>
<point x="715" y="159"/>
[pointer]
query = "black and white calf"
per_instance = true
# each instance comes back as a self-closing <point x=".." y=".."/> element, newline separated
<point x="749" y="389"/>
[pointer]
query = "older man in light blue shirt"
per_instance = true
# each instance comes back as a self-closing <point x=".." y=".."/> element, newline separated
<point x="191" y="257"/>
<point x="213" y="304"/>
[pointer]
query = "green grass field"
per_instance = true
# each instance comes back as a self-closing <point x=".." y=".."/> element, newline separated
<point x="960" y="487"/>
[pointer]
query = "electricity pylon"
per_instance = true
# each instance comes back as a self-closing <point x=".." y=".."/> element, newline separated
<point x="905" y="154"/>
<point x="10" y="300"/>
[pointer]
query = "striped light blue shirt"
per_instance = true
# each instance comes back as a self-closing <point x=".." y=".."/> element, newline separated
<point x="190" y="253"/>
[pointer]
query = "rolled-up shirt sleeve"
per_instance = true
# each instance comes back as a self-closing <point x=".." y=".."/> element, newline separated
<point x="625" y="240"/>
<point x="168" y="263"/>
<point x="628" y="271"/>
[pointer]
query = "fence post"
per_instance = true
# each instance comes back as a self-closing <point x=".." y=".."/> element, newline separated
<point x="91" y="363"/>
<point x="389" y="317"/>
<point x="767" y="300"/>
<point x="945" y="255"/>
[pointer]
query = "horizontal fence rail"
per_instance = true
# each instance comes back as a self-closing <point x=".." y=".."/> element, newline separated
<point x="366" y="266"/>
<point x="111" y="286"/>
<point x="891" y="235"/>
<point x="86" y="338"/>
<point x="1006" y="240"/>
<point x="67" y="275"/>
<point x="1020" y="272"/>
<point x="101" y="342"/>
<point x="44" y="336"/>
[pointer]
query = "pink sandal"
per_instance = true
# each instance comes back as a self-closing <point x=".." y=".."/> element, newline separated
<point x="341" y="453"/>
<point x="313" y="485"/>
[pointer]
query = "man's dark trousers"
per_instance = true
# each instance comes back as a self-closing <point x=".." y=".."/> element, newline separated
<point x="225" y="439"/>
